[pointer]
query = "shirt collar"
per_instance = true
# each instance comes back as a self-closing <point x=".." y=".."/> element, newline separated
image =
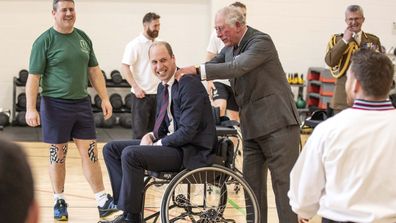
<point x="144" y="38"/>
<point x="171" y="81"/>
<point x="373" y="105"/>
<point x="242" y="36"/>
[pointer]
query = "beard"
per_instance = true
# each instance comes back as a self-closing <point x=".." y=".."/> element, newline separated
<point x="152" y="33"/>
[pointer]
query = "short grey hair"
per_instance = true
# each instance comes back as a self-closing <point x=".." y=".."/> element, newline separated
<point x="55" y="3"/>
<point x="354" y="8"/>
<point x="232" y="15"/>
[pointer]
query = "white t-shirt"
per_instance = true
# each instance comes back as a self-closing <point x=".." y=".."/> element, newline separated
<point x="215" y="45"/>
<point x="136" y="56"/>
<point x="347" y="169"/>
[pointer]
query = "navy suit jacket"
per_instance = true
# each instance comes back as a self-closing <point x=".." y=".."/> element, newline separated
<point x="195" y="130"/>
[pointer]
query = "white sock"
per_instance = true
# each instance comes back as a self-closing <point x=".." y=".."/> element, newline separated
<point x="58" y="196"/>
<point x="101" y="198"/>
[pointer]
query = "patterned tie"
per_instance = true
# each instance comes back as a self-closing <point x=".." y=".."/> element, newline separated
<point x="163" y="110"/>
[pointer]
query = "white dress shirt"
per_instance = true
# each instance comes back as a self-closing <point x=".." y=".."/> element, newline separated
<point x="347" y="169"/>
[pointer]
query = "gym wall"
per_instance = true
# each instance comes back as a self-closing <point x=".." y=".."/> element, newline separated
<point x="300" y="29"/>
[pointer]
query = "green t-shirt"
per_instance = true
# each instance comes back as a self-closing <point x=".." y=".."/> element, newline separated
<point x="63" y="61"/>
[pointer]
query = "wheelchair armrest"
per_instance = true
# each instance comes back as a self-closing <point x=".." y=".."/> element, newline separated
<point x="225" y="131"/>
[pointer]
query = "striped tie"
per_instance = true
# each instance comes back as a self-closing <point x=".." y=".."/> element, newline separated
<point x="162" y="112"/>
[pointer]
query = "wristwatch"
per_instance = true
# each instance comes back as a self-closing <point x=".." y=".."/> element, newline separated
<point x="198" y="69"/>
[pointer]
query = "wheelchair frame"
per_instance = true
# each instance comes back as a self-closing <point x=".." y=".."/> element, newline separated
<point x="215" y="182"/>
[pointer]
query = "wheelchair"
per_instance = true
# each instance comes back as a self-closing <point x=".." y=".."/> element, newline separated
<point x="216" y="193"/>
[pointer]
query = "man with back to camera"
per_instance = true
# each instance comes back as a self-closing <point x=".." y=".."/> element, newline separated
<point x="18" y="202"/>
<point x="269" y="118"/>
<point x="340" y="49"/>
<point x="136" y="69"/>
<point x="345" y="172"/>
<point x="220" y="90"/>
<point x="184" y="136"/>
<point x="62" y="60"/>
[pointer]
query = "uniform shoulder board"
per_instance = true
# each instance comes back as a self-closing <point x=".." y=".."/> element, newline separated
<point x="371" y="36"/>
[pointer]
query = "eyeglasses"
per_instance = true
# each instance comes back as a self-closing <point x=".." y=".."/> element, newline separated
<point x="355" y="19"/>
<point x="219" y="28"/>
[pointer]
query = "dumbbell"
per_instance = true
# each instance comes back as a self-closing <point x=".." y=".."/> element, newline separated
<point x="126" y="120"/>
<point x="116" y="101"/>
<point x="104" y="75"/>
<point x="20" y="118"/>
<point x="98" y="101"/>
<point x="23" y="75"/>
<point x="128" y="101"/>
<point x="116" y="77"/>
<point x="4" y="119"/>
<point x="21" y="100"/>
<point x="101" y="123"/>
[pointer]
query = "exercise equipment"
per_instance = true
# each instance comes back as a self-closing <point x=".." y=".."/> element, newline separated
<point x="128" y="101"/>
<point x="23" y="75"/>
<point x="97" y="101"/>
<point x="22" y="100"/>
<point x="116" y="77"/>
<point x="104" y="75"/>
<point x="300" y="103"/>
<point x="20" y="118"/>
<point x="101" y="123"/>
<point x="116" y="101"/>
<point x="4" y="119"/>
<point x="125" y="120"/>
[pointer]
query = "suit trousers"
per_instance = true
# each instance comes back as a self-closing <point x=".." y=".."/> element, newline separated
<point x="143" y="115"/>
<point x="277" y="151"/>
<point x="126" y="162"/>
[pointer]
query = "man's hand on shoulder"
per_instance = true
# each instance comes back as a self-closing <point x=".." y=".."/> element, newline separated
<point x="185" y="70"/>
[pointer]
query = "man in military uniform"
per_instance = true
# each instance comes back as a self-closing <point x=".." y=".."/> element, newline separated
<point x="340" y="49"/>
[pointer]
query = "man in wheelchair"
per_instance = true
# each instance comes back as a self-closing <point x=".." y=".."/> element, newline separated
<point x="184" y="136"/>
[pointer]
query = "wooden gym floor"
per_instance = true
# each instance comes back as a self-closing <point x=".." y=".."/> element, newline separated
<point x="82" y="204"/>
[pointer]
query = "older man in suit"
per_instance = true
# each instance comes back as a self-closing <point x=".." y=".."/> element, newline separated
<point x="183" y="137"/>
<point x="269" y="118"/>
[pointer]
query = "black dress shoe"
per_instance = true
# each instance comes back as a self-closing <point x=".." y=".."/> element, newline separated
<point x="119" y="219"/>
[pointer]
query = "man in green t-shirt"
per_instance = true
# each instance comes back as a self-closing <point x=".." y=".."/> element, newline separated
<point x="62" y="61"/>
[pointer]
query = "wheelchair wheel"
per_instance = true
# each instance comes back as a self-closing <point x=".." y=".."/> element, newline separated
<point x="206" y="195"/>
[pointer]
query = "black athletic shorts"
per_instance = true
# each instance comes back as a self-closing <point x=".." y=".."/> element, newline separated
<point x="63" y="120"/>
<point x="224" y="91"/>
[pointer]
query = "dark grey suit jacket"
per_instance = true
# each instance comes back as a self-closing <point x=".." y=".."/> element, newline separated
<point x="259" y="83"/>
